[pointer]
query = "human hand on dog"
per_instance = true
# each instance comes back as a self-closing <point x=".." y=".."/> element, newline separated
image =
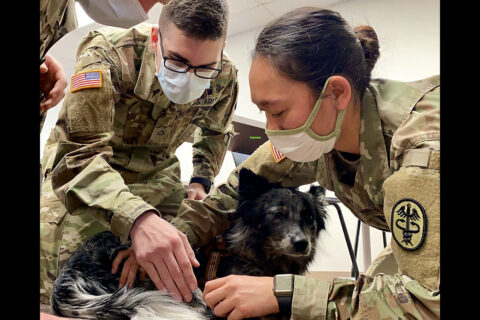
<point x="196" y="191"/>
<point x="130" y="268"/>
<point x="47" y="316"/>
<point x="238" y="297"/>
<point x="164" y="252"/>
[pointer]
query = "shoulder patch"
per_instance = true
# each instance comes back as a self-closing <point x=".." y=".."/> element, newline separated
<point x="409" y="224"/>
<point x="277" y="155"/>
<point x="84" y="80"/>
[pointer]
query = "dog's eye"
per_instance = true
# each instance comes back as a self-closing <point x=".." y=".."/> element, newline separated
<point x="277" y="214"/>
<point x="308" y="216"/>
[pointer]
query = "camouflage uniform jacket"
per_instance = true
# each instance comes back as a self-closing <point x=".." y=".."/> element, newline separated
<point x="106" y="135"/>
<point x="399" y="137"/>
<point x="57" y="18"/>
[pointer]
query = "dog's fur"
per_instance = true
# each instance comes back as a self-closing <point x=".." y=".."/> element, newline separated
<point x="274" y="230"/>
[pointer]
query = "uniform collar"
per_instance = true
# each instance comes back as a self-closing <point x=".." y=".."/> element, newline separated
<point x="147" y="86"/>
<point x="374" y="165"/>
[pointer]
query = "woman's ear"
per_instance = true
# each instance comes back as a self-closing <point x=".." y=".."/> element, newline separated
<point x="340" y="91"/>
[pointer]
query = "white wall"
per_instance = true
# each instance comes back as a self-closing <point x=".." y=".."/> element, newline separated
<point x="408" y="32"/>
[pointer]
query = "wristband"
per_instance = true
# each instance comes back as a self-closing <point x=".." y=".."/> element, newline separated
<point x="283" y="285"/>
<point x="207" y="184"/>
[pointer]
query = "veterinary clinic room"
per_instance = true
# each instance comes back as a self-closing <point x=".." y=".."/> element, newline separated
<point x="239" y="159"/>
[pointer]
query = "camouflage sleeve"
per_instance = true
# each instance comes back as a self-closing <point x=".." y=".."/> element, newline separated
<point x="203" y="220"/>
<point x="57" y="18"/>
<point x="43" y="116"/>
<point x="412" y="212"/>
<point x="213" y="136"/>
<point x="414" y="291"/>
<point x="380" y="297"/>
<point x="82" y="175"/>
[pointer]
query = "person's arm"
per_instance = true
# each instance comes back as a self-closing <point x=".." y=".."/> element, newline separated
<point x="82" y="175"/>
<point x="47" y="316"/>
<point x="203" y="220"/>
<point x="214" y="133"/>
<point x="415" y="289"/>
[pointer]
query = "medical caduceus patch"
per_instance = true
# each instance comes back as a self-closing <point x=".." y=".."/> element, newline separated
<point x="409" y="224"/>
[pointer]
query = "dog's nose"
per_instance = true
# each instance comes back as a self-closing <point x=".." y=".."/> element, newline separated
<point x="300" y="245"/>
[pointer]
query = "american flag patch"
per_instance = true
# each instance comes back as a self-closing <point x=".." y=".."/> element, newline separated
<point x="277" y="155"/>
<point x="83" y="80"/>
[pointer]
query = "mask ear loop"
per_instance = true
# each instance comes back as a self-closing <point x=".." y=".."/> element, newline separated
<point x="155" y="40"/>
<point x="305" y="127"/>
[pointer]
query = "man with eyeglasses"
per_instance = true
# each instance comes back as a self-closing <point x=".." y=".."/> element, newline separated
<point x="136" y="95"/>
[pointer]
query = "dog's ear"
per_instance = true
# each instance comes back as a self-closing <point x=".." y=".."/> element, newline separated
<point x="319" y="198"/>
<point x="251" y="186"/>
<point x="247" y="212"/>
<point x="318" y="193"/>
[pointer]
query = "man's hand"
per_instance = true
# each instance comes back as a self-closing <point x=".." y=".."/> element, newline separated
<point x="164" y="252"/>
<point x="52" y="82"/>
<point x="238" y="297"/>
<point x="196" y="191"/>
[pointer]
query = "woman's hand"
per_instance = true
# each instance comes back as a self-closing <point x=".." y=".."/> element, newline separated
<point x="237" y="297"/>
<point x="130" y="267"/>
<point x="196" y="191"/>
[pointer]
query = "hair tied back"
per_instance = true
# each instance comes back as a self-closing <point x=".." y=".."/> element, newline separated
<point x="369" y="41"/>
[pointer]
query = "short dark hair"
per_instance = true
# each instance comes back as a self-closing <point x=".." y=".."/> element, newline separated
<point x="201" y="19"/>
<point x="311" y="44"/>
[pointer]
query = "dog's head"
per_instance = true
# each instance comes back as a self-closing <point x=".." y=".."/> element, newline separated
<point x="285" y="221"/>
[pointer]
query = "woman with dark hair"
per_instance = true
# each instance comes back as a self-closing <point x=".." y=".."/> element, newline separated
<point x="373" y="142"/>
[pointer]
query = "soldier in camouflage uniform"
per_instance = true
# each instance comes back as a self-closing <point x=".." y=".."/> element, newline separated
<point x="111" y="156"/>
<point x="389" y="179"/>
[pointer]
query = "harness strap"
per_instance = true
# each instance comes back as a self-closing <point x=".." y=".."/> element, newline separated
<point x="215" y="252"/>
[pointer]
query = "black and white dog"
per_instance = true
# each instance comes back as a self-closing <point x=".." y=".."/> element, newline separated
<point x="274" y="230"/>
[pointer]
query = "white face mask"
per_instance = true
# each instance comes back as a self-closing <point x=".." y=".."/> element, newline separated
<point x="303" y="144"/>
<point x="181" y="88"/>
<point x="117" y="13"/>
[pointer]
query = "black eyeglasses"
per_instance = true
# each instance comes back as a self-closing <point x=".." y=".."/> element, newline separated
<point x="183" y="67"/>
